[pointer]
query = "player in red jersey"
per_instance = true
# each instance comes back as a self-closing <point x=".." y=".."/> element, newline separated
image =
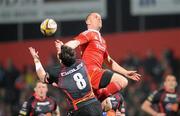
<point x="94" y="53"/>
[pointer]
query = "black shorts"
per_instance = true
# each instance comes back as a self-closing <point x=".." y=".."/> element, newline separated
<point x="105" y="79"/>
<point x="92" y="109"/>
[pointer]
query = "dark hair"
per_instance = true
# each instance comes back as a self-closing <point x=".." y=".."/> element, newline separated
<point x="67" y="55"/>
<point x="167" y="75"/>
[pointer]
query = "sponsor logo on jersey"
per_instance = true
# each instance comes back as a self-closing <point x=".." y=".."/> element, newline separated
<point x="72" y="70"/>
<point x="171" y="95"/>
<point x="43" y="103"/>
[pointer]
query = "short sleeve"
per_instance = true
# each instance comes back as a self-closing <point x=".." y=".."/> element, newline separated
<point x="154" y="97"/>
<point x="82" y="37"/>
<point x="106" y="54"/>
<point x="26" y="108"/>
<point x="53" y="74"/>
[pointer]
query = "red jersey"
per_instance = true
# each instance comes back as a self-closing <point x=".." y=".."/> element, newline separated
<point x="93" y="48"/>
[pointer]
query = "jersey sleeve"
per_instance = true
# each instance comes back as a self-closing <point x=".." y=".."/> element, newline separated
<point x="154" y="97"/>
<point x="83" y="37"/>
<point x="26" y="108"/>
<point x="106" y="54"/>
<point x="53" y="74"/>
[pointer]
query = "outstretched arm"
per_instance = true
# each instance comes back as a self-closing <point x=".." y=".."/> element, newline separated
<point x="73" y="44"/>
<point x="39" y="68"/>
<point x="117" y="68"/>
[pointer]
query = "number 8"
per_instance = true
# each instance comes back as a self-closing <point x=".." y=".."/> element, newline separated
<point x="80" y="82"/>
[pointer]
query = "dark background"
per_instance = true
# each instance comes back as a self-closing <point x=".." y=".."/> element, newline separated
<point x="118" y="19"/>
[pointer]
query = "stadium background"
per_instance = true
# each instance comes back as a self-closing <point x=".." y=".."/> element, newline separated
<point x="146" y="41"/>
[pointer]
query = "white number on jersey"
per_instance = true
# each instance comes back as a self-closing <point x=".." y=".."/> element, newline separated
<point x="80" y="82"/>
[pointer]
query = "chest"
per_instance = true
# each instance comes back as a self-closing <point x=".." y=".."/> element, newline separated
<point x="42" y="107"/>
<point x="169" y="98"/>
<point x="97" y="43"/>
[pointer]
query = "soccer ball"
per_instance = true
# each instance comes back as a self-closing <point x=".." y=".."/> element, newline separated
<point x="48" y="27"/>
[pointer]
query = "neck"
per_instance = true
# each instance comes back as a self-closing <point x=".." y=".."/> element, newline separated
<point x="94" y="30"/>
<point x="170" y="90"/>
<point x="40" y="97"/>
<point x="91" y="28"/>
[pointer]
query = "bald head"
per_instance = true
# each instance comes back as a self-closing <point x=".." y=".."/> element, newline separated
<point x="94" y="21"/>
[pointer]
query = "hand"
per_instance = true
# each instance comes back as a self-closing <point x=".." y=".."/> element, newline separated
<point x="133" y="75"/>
<point x="34" y="53"/>
<point x="118" y="113"/>
<point x="106" y="104"/>
<point x="160" y="114"/>
<point x="58" y="45"/>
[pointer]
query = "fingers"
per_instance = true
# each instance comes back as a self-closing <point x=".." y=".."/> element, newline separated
<point x="136" y="77"/>
<point x="33" y="52"/>
<point x="30" y="48"/>
<point x="59" y="42"/>
<point x="133" y="71"/>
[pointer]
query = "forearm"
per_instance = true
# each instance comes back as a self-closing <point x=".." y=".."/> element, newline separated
<point x="57" y="112"/>
<point x="148" y="109"/>
<point x="39" y="69"/>
<point x="73" y="44"/>
<point x="115" y="66"/>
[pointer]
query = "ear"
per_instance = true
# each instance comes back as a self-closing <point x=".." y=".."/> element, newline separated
<point x="87" y="21"/>
<point x="164" y="84"/>
<point x="35" y="89"/>
<point x="176" y="84"/>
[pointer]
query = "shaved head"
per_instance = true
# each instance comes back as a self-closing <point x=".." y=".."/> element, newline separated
<point x="90" y="14"/>
<point x="94" y="21"/>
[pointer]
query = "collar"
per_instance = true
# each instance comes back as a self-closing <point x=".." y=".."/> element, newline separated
<point x="38" y="98"/>
<point x="94" y="30"/>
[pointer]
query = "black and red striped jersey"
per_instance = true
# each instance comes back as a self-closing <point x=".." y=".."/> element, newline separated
<point x="35" y="107"/>
<point x="73" y="81"/>
<point x="167" y="102"/>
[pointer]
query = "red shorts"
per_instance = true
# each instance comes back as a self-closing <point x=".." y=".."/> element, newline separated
<point x="96" y="76"/>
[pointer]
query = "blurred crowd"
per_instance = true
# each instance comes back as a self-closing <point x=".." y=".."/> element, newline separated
<point x="16" y="86"/>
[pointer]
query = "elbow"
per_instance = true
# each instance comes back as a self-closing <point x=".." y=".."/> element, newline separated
<point x="142" y="107"/>
<point x="145" y="105"/>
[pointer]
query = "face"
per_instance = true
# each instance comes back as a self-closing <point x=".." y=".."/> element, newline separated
<point x="94" y="21"/>
<point x="170" y="82"/>
<point x="41" y="89"/>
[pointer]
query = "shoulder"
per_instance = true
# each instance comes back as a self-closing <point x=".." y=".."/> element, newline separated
<point x="28" y="102"/>
<point x="51" y="99"/>
<point x="155" y="94"/>
<point x="31" y="99"/>
<point x="86" y="32"/>
<point x="80" y="63"/>
<point x="159" y="91"/>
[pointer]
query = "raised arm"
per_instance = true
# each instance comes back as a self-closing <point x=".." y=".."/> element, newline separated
<point x="57" y="111"/>
<point x="73" y="44"/>
<point x="117" y="68"/>
<point x="39" y="68"/>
